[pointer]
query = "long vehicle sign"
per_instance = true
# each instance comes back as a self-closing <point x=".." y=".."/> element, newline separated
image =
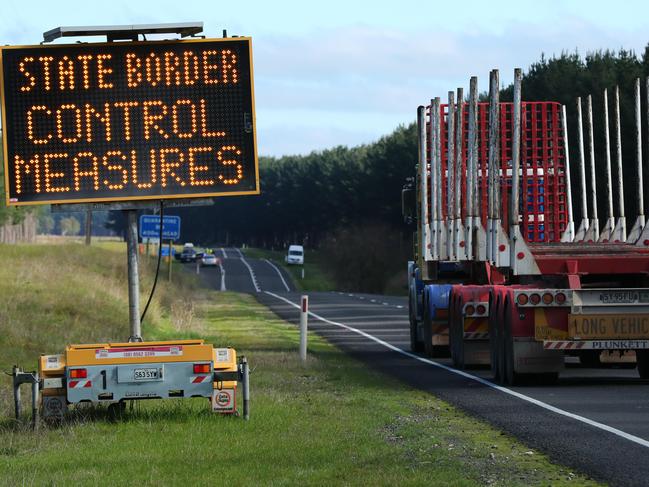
<point x="607" y="326"/>
<point x="128" y="121"/>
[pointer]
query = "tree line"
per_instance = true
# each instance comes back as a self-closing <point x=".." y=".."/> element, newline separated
<point x="320" y="198"/>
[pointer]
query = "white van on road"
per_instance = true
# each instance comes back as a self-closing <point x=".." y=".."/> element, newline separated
<point x="295" y="255"/>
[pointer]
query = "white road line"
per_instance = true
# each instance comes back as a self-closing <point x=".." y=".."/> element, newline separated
<point x="518" y="395"/>
<point x="279" y="273"/>
<point x="222" y="277"/>
<point x="253" y="278"/>
<point x="225" y="255"/>
<point x="240" y="254"/>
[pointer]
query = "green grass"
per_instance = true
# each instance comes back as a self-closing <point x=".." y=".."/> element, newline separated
<point x="316" y="277"/>
<point x="330" y="422"/>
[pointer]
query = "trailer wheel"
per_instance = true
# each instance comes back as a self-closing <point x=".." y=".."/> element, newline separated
<point x="510" y="377"/>
<point x="416" y="345"/>
<point x="456" y="334"/>
<point x="116" y="410"/>
<point x="428" y="333"/>
<point x="494" y="349"/>
<point x="642" y="358"/>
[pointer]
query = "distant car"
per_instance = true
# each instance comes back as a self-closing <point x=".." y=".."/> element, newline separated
<point x="295" y="255"/>
<point x="209" y="260"/>
<point x="188" y="255"/>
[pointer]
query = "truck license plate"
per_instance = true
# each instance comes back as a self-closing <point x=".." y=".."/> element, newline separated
<point x="606" y="326"/>
<point x="145" y="374"/>
<point x="623" y="297"/>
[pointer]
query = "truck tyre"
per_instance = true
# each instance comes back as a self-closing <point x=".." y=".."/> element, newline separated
<point x="510" y="377"/>
<point x="494" y="349"/>
<point x="415" y="344"/>
<point x="428" y="333"/>
<point x="642" y="358"/>
<point x="456" y="335"/>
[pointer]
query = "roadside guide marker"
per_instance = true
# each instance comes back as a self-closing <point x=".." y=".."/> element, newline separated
<point x="627" y="436"/>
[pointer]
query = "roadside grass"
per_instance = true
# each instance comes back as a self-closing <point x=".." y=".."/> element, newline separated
<point x="331" y="421"/>
<point x="316" y="277"/>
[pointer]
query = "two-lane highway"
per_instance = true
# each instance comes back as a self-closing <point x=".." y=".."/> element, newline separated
<point x="593" y="420"/>
<point x="237" y="272"/>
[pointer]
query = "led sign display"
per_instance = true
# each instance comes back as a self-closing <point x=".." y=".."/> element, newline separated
<point x="128" y="121"/>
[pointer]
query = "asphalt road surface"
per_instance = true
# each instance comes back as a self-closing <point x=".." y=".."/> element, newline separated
<point x="243" y="274"/>
<point x="593" y="420"/>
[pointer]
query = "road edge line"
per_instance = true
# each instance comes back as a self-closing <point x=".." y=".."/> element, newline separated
<point x="279" y="273"/>
<point x="518" y="395"/>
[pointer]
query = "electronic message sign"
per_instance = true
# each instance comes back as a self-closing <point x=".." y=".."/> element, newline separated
<point x="128" y="121"/>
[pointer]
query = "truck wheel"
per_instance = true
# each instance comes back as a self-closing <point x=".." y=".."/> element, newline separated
<point x="642" y="357"/>
<point x="415" y="344"/>
<point x="494" y="349"/>
<point x="510" y="377"/>
<point x="428" y="334"/>
<point x="456" y="335"/>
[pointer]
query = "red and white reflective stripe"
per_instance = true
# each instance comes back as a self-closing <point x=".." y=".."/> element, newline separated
<point x="79" y="384"/>
<point x="567" y="345"/>
<point x="476" y="335"/>
<point x="197" y="379"/>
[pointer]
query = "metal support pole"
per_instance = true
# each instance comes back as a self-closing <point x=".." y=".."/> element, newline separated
<point x="17" y="400"/>
<point x="35" y="393"/>
<point x="436" y="179"/>
<point x="593" y="228"/>
<point x="304" y="317"/>
<point x="569" y="233"/>
<point x="450" y="176"/>
<point x="516" y="153"/>
<point x="431" y="195"/>
<point x="493" y="168"/>
<point x="638" y="226"/>
<point x="607" y="232"/>
<point x="245" y="384"/>
<point x="423" y="183"/>
<point x="170" y="261"/>
<point x="88" y="226"/>
<point x="619" y="233"/>
<point x="460" y="175"/>
<point x="583" y="226"/>
<point x="133" y="277"/>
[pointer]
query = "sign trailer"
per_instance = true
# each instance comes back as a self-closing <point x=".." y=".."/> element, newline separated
<point x="126" y="122"/>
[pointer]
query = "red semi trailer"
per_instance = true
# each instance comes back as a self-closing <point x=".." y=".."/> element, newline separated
<point x="495" y="198"/>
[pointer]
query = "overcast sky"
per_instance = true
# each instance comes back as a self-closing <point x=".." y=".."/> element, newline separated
<point x="345" y="72"/>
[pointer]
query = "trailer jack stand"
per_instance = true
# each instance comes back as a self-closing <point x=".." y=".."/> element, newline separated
<point x="19" y="378"/>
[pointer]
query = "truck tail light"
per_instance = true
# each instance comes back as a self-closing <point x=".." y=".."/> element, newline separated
<point x="560" y="298"/>
<point x="548" y="298"/>
<point x="481" y="309"/>
<point x="469" y="310"/>
<point x="202" y="368"/>
<point x="522" y="299"/>
<point x="78" y="374"/>
<point x="535" y="299"/>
